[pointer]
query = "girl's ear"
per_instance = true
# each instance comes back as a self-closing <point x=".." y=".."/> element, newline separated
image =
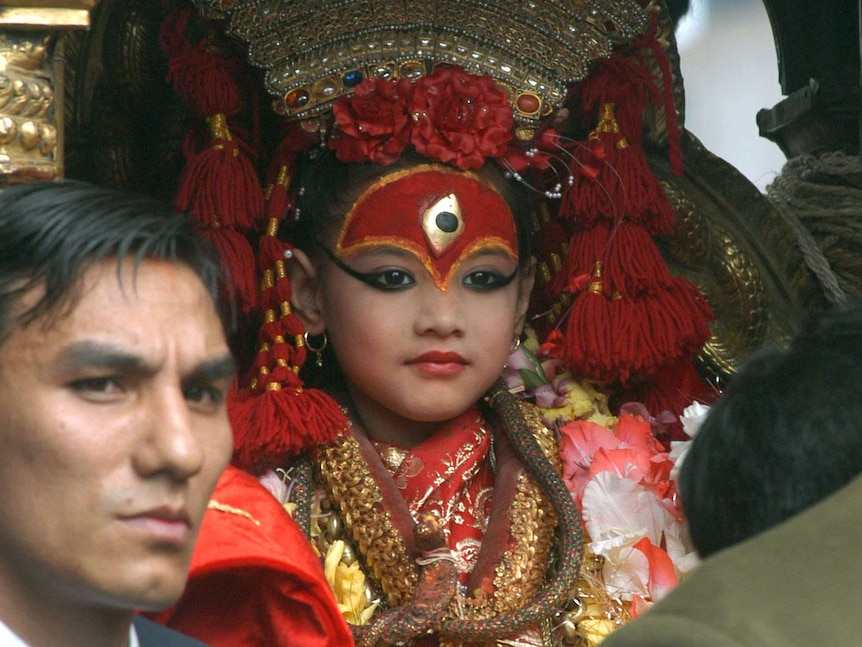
<point x="307" y="296"/>
<point x="525" y="287"/>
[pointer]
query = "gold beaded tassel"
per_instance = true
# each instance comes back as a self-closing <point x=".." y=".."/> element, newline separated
<point x="274" y="417"/>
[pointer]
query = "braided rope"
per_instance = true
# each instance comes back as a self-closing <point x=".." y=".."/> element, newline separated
<point x="820" y="198"/>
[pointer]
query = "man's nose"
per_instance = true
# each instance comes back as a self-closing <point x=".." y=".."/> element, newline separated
<point x="169" y="443"/>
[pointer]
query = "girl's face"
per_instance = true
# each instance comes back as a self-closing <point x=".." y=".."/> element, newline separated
<point x="421" y="333"/>
<point x="412" y="352"/>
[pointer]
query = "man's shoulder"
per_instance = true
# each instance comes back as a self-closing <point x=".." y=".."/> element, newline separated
<point x="151" y="634"/>
<point x="748" y="594"/>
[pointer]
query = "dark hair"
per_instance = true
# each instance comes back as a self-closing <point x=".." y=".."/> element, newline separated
<point x="52" y="232"/>
<point x="785" y="434"/>
<point x="328" y="188"/>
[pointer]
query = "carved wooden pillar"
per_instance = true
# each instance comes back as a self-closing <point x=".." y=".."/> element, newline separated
<point x="31" y="85"/>
<point x="818" y="46"/>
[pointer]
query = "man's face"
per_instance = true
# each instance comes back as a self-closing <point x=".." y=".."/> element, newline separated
<point x="113" y="432"/>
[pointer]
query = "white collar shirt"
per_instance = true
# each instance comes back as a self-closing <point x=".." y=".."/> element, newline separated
<point x="8" y="638"/>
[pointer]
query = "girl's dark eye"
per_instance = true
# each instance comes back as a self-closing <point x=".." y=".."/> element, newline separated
<point x="487" y="279"/>
<point x="390" y="279"/>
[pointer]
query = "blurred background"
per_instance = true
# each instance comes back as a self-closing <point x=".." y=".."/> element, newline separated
<point x="730" y="71"/>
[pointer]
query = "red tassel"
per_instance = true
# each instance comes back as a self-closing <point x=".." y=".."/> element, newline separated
<point x="633" y="263"/>
<point x="238" y="260"/>
<point x="655" y="331"/>
<point x="204" y="73"/>
<point x="274" y="417"/>
<point x="587" y="329"/>
<point x="615" y="96"/>
<point x="623" y="187"/>
<point x="634" y="317"/>
<point x="219" y="186"/>
<point x="281" y="423"/>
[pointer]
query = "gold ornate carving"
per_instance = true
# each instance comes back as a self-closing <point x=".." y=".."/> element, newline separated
<point x="45" y="14"/>
<point x="732" y="243"/>
<point x="28" y="132"/>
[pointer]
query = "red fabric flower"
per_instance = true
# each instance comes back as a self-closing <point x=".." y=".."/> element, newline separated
<point x="460" y="118"/>
<point x="374" y="122"/>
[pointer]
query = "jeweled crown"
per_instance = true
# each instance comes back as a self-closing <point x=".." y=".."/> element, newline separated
<point x="315" y="51"/>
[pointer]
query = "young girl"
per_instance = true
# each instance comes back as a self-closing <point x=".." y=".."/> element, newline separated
<point x="432" y="495"/>
<point x="434" y="498"/>
<point x="413" y="281"/>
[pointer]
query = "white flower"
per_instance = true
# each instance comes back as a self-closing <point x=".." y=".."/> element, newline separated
<point x="692" y="417"/>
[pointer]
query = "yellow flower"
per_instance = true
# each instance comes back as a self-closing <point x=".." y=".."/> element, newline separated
<point x="348" y="584"/>
<point x="595" y="630"/>
<point x="583" y="401"/>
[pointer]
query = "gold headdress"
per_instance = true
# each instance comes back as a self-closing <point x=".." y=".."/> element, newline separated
<point x="321" y="57"/>
<point x="316" y="52"/>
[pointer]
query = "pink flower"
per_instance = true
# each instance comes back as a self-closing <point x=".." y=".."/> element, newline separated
<point x="580" y="442"/>
<point x="627" y="462"/>
<point x="636" y="432"/>
<point x="662" y="575"/>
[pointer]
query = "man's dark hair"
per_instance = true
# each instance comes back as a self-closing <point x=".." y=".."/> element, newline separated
<point x="51" y="233"/>
<point x="786" y="434"/>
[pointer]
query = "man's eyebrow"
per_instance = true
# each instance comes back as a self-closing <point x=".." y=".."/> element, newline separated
<point x="101" y="355"/>
<point x="217" y="368"/>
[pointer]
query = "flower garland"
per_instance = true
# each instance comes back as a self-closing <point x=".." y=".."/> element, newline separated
<point x="353" y="594"/>
<point x="449" y="115"/>
<point x="623" y="480"/>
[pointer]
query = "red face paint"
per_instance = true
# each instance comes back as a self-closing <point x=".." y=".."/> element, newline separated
<point x="436" y="213"/>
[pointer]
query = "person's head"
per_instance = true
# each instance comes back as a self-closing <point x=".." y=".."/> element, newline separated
<point x="785" y="434"/>
<point x="114" y="367"/>
<point x="419" y="273"/>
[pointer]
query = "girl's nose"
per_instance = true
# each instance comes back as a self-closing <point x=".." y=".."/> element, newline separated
<point x="439" y="313"/>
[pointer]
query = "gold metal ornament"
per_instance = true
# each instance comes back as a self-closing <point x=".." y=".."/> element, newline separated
<point x="314" y="53"/>
<point x="29" y="132"/>
<point x="442" y="223"/>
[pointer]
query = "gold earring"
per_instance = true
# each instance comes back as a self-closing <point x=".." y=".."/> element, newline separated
<point x="317" y="350"/>
<point x="516" y="343"/>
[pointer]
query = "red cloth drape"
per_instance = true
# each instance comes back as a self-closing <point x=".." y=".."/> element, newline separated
<point x="254" y="580"/>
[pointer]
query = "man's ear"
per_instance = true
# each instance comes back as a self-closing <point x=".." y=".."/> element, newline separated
<point x="307" y="296"/>
<point x="525" y="280"/>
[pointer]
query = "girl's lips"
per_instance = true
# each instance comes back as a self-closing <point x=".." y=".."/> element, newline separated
<point x="439" y="363"/>
<point x="438" y="357"/>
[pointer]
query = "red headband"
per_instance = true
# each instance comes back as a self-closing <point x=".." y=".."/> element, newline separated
<point x="436" y="213"/>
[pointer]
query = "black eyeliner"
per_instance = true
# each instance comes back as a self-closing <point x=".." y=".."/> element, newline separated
<point x="369" y="278"/>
